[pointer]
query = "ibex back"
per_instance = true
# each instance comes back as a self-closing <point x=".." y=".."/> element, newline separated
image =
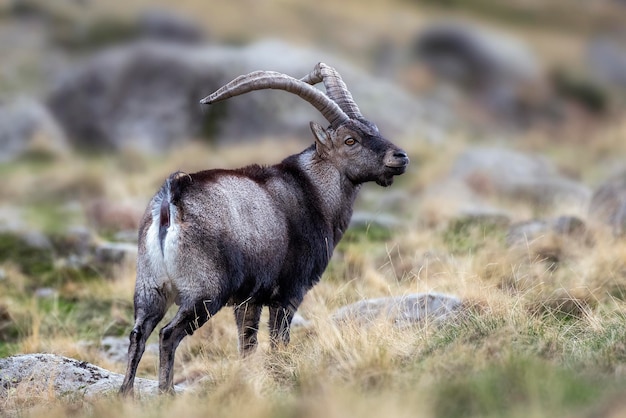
<point x="255" y="236"/>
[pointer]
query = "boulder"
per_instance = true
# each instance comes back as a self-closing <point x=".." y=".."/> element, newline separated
<point x="77" y="249"/>
<point x="511" y="174"/>
<point x="30" y="250"/>
<point x="112" y="253"/>
<point x="168" y="26"/>
<point x="608" y="203"/>
<point x="450" y="199"/>
<point x="136" y="96"/>
<point x="63" y="376"/>
<point x="145" y="95"/>
<point x="475" y="55"/>
<point x="112" y="215"/>
<point x="298" y="321"/>
<point x="521" y="233"/>
<point x="498" y="71"/>
<point x="364" y="220"/>
<point x="401" y="311"/>
<point x="99" y="257"/>
<point x="115" y="349"/>
<point x="27" y="126"/>
<point x="606" y="59"/>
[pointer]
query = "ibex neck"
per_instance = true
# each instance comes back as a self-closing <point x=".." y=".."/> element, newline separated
<point x="336" y="192"/>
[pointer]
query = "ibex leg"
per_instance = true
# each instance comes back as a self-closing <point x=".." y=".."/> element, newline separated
<point x="247" y="316"/>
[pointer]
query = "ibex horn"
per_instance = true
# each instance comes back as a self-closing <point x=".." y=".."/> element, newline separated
<point x="260" y="80"/>
<point x="336" y="89"/>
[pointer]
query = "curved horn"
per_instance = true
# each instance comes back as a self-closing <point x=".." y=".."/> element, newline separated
<point x="335" y="88"/>
<point x="260" y="80"/>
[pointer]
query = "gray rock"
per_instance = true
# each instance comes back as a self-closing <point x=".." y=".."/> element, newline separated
<point x="362" y="219"/>
<point x="379" y="200"/>
<point x="46" y="293"/>
<point x="11" y="219"/>
<point x="145" y="95"/>
<point x="492" y="66"/>
<point x="30" y="250"/>
<point x="65" y="376"/>
<point x="298" y="321"/>
<point x="469" y="53"/>
<point x="606" y="59"/>
<point x="521" y="233"/>
<point x="129" y="96"/>
<point x="35" y="239"/>
<point x="108" y="253"/>
<point x="76" y="250"/>
<point x="78" y="241"/>
<point x="513" y="174"/>
<point x="484" y="216"/>
<point x="451" y="198"/>
<point x="502" y="167"/>
<point x="608" y="203"/>
<point x="168" y="26"/>
<point x="26" y="125"/>
<point x="114" y="215"/>
<point x="126" y="236"/>
<point x="400" y="310"/>
<point x="116" y="348"/>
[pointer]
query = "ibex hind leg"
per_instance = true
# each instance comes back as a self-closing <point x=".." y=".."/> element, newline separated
<point x="280" y="325"/>
<point x="187" y="320"/>
<point x="150" y="307"/>
<point x="247" y="316"/>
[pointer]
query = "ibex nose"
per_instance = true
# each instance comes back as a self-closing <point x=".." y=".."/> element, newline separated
<point x="397" y="159"/>
<point x="400" y="155"/>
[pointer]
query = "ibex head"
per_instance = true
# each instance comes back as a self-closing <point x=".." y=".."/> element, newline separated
<point x="351" y="143"/>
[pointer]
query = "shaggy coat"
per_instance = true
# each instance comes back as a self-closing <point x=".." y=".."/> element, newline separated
<point x="250" y="237"/>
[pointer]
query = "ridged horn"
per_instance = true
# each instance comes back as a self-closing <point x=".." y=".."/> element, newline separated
<point x="260" y="80"/>
<point x="336" y="89"/>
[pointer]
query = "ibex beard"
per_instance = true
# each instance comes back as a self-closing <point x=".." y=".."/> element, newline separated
<point x="255" y="236"/>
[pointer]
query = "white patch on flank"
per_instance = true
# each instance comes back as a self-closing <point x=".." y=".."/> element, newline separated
<point x="163" y="263"/>
<point x="170" y="245"/>
<point x="153" y="250"/>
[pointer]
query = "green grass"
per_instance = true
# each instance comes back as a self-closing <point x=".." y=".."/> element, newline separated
<point x="467" y="234"/>
<point x="517" y="387"/>
<point x="31" y="259"/>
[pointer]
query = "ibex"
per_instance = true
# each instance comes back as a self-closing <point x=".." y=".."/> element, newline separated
<point x="255" y="236"/>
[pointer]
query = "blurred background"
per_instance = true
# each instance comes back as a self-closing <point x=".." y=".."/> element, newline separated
<point x="541" y="84"/>
<point x="102" y="76"/>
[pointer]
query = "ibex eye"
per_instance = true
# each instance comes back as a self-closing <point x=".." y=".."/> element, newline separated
<point x="350" y="141"/>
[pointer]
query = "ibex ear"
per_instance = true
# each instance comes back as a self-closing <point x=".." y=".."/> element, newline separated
<point x="323" y="142"/>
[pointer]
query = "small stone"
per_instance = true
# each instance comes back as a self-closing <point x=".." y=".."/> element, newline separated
<point x="115" y="252"/>
<point x="299" y="321"/>
<point x="46" y="293"/>
<point x="608" y="203"/>
<point x="401" y="311"/>
<point x="522" y="233"/>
